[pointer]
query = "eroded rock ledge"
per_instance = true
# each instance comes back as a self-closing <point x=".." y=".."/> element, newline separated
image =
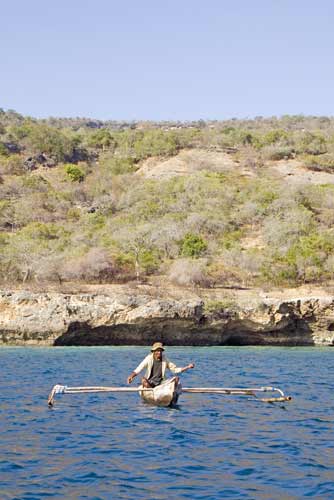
<point x="124" y="317"/>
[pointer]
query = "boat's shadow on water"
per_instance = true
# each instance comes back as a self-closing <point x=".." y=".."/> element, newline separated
<point x="171" y="407"/>
<point x="176" y="407"/>
<point x="277" y="407"/>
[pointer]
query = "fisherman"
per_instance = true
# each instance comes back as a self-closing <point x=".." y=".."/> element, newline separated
<point x="156" y="364"/>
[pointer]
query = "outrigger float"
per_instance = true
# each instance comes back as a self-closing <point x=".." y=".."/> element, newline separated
<point x="167" y="393"/>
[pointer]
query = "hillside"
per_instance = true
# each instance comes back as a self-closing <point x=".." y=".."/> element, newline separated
<point x="214" y="204"/>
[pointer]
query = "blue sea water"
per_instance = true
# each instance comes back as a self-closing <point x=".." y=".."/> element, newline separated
<point x="114" y="446"/>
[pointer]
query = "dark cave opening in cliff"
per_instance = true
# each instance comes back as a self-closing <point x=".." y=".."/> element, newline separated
<point x="243" y="339"/>
<point x="177" y="333"/>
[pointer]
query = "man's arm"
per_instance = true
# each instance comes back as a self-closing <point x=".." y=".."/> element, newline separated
<point x="173" y="368"/>
<point x="188" y="367"/>
<point x="131" y="377"/>
<point x="139" y="368"/>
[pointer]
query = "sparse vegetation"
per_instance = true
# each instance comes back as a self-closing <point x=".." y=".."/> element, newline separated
<point x="324" y="162"/>
<point x="74" y="207"/>
<point x="219" y="306"/>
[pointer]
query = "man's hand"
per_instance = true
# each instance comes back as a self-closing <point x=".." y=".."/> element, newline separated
<point x="131" y="377"/>
<point x="188" y="367"/>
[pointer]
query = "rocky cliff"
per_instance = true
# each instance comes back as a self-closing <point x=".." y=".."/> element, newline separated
<point x="139" y="317"/>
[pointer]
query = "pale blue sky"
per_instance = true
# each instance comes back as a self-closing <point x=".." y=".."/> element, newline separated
<point x="171" y="59"/>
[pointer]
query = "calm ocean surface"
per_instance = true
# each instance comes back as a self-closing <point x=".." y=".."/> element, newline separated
<point x="103" y="446"/>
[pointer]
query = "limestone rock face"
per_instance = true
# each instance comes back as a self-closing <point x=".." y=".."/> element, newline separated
<point x="138" y="318"/>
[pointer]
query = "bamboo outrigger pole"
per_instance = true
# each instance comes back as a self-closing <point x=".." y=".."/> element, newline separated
<point x="63" y="389"/>
<point x="233" y="391"/>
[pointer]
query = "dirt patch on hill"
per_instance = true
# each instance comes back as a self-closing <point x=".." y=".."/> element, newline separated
<point x="187" y="162"/>
<point x="295" y="172"/>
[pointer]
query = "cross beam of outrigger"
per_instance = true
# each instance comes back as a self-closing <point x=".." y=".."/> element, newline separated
<point x="159" y="392"/>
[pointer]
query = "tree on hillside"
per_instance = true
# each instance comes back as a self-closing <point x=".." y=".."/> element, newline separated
<point x="102" y="139"/>
<point x="23" y="258"/>
<point x="51" y="141"/>
<point x="165" y="236"/>
<point x="137" y="242"/>
<point x="94" y="265"/>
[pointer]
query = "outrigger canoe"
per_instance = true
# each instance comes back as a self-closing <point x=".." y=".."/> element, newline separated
<point x="167" y="393"/>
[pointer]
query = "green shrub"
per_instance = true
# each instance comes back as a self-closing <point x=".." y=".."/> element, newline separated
<point x="23" y="130"/>
<point x="315" y="246"/>
<point x="276" y="152"/>
<point x="192" y="245"/>
<point x="3" y="150"/>
<point x="76" y="174"/>
<point x="73" y="214"/>
<point x="156" y="143"/>
<point x="235" y="137"/>
<point x="102" y="139"/>
<point x="43" y="232"/>
<point x="124" y="259"/>
<point x="96" y="220"/>
<point x="323" y="163"/>
<point x="6" y="213"/>
<point x="12" y="165"/>
<point x="311" y="143"/>
<point x="141" y="144"/>
<point x="231" y="239"/>
<point x="278" y="272"/>
<point x="304" y="261"/>
<point x="35" y="183"/>
<point x="149" y="261"/>
<point x="217" y="306"/>
<point x="121" y="166"/>
<point x="274" y="136"/>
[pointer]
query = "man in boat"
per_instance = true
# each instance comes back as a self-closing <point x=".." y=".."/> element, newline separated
<point x="156" y="364"/>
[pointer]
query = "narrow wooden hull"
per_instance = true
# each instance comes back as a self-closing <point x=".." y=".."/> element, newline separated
<point x="165" y="394"/>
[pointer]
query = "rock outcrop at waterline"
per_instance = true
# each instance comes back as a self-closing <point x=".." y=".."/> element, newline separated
<point x="139" y="319"/>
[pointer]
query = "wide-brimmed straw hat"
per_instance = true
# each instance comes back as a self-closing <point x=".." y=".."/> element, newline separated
<point x="156" y="346"/>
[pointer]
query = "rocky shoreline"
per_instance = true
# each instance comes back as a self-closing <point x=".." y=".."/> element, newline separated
<point x="139" y="316"/>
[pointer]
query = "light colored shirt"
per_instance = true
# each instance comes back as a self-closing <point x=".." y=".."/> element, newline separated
<point x="148" y="363"/>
